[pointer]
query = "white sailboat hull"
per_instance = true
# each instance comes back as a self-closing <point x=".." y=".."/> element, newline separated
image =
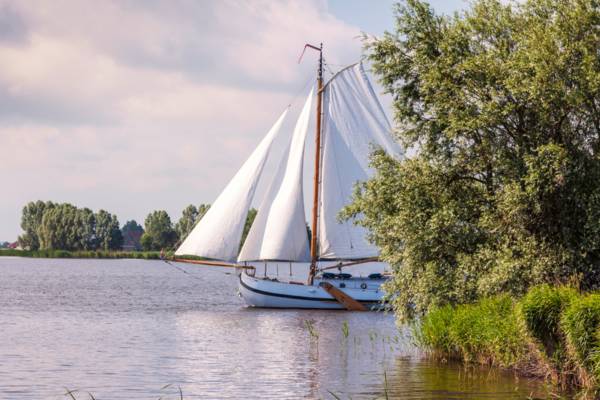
<point x="266" y="293"/>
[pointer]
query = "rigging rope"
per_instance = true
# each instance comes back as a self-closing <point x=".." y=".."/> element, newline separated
<point x="194" y="276"/>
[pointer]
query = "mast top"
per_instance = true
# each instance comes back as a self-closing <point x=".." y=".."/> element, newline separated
<point x="320" y="50"/>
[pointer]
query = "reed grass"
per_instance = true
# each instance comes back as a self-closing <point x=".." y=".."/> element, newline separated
<point x="345" y="329"/>
<point x="310" y="326"/>
<point x="71" y="393"/>
<point x="580" y="323"/>
<point x="546" y="333"/>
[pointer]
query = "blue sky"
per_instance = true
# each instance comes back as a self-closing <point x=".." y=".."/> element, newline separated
<point x="375" y="16"/>
<point x="136" y="106"/>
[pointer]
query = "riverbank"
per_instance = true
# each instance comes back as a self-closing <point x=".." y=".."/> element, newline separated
<point x="551" y="333"/>
<point x="146" y="255"/>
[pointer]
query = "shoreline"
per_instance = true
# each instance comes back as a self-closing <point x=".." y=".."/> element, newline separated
<point x="552" y="333"/>
<point x="100" y="254"/>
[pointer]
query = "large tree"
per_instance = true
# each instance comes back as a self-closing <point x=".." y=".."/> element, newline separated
<point x="159" y="232"/>
<point x="189" y="218"/>
<point x="500" y="106"/>
<point x="66" y="227"/>
<point x="132" y="233"/>
<point x="186" y="222"/>
<point x="31" y="220"/>
<point x="108" y="234"/>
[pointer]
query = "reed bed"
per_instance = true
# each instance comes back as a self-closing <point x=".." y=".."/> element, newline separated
<point x="552" y="332"/>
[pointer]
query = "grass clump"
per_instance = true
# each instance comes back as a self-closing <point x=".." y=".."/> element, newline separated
<point x="580" y="323"/>
<point x="487" y="332"/>
<point x="541" y="309"/>
<point x="434" y="332"/>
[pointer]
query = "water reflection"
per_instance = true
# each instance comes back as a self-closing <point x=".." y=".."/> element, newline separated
<point x="122" y="329"/>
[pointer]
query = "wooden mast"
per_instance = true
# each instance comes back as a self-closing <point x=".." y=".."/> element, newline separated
<point x="317" y="177"/>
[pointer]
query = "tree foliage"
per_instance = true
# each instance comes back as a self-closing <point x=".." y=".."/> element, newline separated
<point x="159" y="232"/>
<point x="31" y="219"/>
<point x="108" y="234"/>
<point x="132" y="233"/>
<point x="500" y="107"/>
<point x="248" y="224"/>
<point x="67" y="227"/>
<point x="62" y="226"/>
<point x="189" y="218"/>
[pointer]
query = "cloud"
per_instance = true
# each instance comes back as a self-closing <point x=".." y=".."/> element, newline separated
<point x="12" y="27"/>
<point x="135" y="105"/>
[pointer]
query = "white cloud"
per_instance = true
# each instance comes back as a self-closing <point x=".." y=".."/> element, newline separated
<point x="134" y="106"/>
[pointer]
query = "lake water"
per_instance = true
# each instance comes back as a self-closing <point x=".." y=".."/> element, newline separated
<point x="124" y="329"/>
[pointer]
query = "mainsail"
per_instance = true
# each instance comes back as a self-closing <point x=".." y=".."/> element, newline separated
<point x="219" y="232"/>
<point x="279" y="230"/>
<point x="353" y="122"/>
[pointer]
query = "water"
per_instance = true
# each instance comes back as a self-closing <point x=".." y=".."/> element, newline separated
<point x="123" y="329"/>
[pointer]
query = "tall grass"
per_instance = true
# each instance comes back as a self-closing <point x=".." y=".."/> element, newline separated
<point x="541" y="309"/>
<point x="487" y="332"/>
<point x="433" y="332"/>
<point x="581" y="326"/>
<point x="550" y="328"/>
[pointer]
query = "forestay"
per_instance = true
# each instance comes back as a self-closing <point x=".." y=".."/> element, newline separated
<point x="219" y="232"/>
<point x="279" y="230"/>
<point x="353" y="122"/>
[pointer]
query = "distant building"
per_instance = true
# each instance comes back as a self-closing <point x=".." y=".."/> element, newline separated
<point x="131" y="240"/>
<point x="15" y="246"/>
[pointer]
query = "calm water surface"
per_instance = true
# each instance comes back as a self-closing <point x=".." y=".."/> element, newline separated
<point x="123" y="329"/>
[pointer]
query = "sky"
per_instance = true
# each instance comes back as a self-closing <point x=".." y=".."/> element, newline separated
<point x="133" y="106"/>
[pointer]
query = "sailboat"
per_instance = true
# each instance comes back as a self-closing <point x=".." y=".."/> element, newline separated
<point x="349" y="122"/>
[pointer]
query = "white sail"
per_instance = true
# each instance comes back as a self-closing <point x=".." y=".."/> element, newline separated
<point x="353" y="122"/>
<point x="279" y="231"/>
<point x="218" y="234"/>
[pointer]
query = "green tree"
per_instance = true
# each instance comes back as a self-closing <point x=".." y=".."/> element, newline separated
<point x="189" y="218"/>
<point x="186" y="222"/>
<point x="201" y="210"/>
<point x="31" y="219"/>
<point x="159" y="232"/>
<point x="132" y="233"/>
<point x="108" y="234"/>
<point x="248" y="224"/>
<point x="83" y="230"/>
<point x="59" y="228"/>
<point x="500" y="107"/>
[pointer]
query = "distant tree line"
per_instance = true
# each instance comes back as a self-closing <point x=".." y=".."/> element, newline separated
<point x="63" y="226"/>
